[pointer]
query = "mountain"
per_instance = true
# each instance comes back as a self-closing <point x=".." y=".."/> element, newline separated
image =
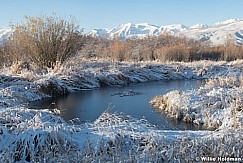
<point x="218" y="33"/>
<point x="199" y="26"/>
<point x="229" y="21"/>
<point x="130" y="30"/>
<point x="4" y="34"/>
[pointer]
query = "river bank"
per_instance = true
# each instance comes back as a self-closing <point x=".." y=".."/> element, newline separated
<point x="31" y="85"/>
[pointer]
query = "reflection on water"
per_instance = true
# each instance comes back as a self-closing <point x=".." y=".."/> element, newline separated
<point x="131" y="100"/>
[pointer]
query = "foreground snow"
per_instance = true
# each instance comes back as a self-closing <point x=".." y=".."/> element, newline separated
<point x="42" y="136"/>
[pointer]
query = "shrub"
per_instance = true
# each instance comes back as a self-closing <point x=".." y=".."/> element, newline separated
<point x="173" y="53"/>
<point x="47" y="41"/>
<point x="164" y="47"/>
<point x="118" y="50"/>
<point x="1" y="56"/>
<point x="4" y="58"/>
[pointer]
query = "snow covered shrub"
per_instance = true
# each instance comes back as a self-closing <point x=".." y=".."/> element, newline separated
<point x="224" y="82"/>
<point x="217" y="105"/>
<point x="39" y="136"/>
<point x="173" y="106"/>
<point x="227" y="144"/>
<point x="47" y="41"/>
<point x="36" y="136"/>
<point x="21" y="67"/>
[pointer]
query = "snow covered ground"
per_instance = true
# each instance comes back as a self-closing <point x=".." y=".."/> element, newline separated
<point x="42" y="136"/>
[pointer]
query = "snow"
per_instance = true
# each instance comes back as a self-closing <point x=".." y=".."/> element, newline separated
<point x="217" y="34"/>
<point x="229" y="21"/>
<point x="174" y="28"/>
<point x="199" y="26"/>
<point x="42" y="136"/>
<point x="127" y="30"/>
<point x="39" y="136"/>
<point x="4" y="34"/>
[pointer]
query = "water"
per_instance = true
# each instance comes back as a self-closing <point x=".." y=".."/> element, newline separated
<point x="87" y="106"/>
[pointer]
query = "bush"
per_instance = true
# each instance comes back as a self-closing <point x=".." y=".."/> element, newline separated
<point x="173" y="53"/>
<point x="164" y="47"/>
<point x="46" y="41"/>
<point x="1" y="56"/>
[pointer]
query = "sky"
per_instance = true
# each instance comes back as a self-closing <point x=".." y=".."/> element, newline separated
<point x="93" y="14"/>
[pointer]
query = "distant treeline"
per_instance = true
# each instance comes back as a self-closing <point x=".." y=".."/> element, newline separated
<point x="162" y="48"/>
<point x="49" y="41"/>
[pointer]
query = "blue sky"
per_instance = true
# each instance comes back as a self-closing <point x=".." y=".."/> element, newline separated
<point x="109" y="13"/>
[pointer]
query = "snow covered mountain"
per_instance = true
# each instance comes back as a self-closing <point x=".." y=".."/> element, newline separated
<point x="4" y="34"/>
<point x="127" y="30"/>
<point x="130" y="30"/>
<point x="218" y="33"/>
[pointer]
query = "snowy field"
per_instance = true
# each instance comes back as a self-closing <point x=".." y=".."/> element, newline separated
<point x="42" y="136"/>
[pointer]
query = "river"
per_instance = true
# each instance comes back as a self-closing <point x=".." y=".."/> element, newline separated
<point x="132" y="100"/>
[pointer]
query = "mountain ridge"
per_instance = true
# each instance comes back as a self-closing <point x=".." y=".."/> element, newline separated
<point x="4" y="34"/>
<point x="218" y="33"/>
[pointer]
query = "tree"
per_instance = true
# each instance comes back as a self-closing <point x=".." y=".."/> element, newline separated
<point x="47" y="41"/>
